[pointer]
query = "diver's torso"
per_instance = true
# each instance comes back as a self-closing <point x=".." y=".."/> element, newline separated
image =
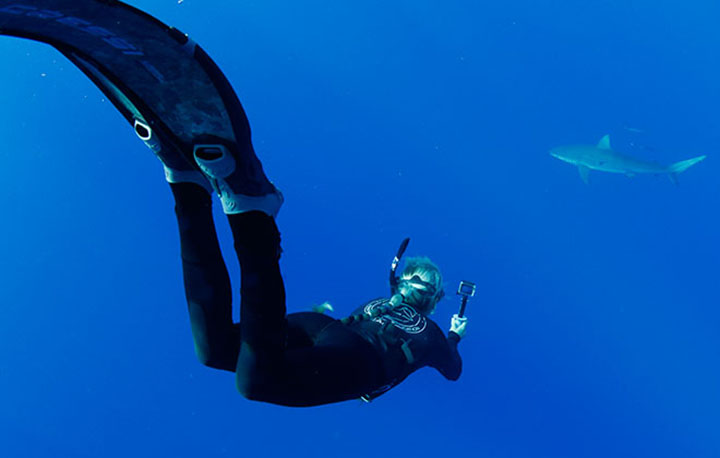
<point x="404" y="338"/>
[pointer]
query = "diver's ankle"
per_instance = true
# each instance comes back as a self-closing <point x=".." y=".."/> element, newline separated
<point x="187" y="176"/>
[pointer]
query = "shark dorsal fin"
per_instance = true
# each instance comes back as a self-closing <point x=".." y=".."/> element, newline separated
<point x="604" y="143"/>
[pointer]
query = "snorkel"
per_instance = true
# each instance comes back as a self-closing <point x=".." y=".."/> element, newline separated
<point x="394" y="280"/>
<point x="396" y="298"/>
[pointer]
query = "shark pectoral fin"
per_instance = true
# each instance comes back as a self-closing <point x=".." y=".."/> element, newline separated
<point x="604" y="143"/>
<point x="629" y="174"/>
<point x="584" y="173"/>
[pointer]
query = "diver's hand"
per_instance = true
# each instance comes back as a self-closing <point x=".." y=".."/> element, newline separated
<point x="458" y="325"/>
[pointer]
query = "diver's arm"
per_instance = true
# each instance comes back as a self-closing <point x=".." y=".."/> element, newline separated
<point x="447" y="359"/>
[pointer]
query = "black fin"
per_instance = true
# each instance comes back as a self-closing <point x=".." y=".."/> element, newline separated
<point x="145" y="68"/>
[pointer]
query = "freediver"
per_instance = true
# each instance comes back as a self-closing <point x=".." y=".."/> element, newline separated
<point x="296" y="359"/>
<point x="181" y="105"/>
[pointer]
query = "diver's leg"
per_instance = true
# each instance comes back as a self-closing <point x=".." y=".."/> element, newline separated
<point x="262" y="292"/>
<point x="334" y="364"/>
<point x="207" y="285"/>
<point x="251" y="202"/>
<point x="340" y="366"/>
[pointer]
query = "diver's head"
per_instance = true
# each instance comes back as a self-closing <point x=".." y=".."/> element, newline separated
<point x="421" y="284"/>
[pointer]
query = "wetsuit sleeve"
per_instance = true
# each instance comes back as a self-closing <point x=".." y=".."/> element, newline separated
<point x="446" y="359"/>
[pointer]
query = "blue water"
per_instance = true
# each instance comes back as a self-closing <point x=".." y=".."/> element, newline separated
<point x="595" y="331"/>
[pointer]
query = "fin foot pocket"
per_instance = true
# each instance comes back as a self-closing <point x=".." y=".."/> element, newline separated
<point x="233" y="184"/>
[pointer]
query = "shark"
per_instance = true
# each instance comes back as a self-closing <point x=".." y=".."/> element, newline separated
<point x="603" y="158"/>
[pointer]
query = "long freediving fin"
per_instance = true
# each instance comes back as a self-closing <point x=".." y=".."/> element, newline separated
<point x="150" y="71"/>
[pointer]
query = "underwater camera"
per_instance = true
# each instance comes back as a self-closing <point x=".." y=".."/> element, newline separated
<point x="465" y="289"/>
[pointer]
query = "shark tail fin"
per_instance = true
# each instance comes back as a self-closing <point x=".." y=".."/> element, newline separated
<point x="681" y="166"/>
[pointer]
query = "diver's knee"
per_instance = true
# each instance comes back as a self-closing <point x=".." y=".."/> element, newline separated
<point x="208" y="359"/>
<point x="203" y="354"/>
<point x="249" y="388"/>
<point x="245" y="390"/>
<point x="255" y="382"/>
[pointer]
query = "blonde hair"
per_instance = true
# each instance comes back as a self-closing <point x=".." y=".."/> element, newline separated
<point x="428" y="272"/>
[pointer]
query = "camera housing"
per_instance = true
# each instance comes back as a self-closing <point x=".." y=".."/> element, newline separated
<point x="466" y="289"/>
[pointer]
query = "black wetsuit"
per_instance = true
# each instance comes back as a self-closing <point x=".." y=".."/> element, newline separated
<point x="407" y="340"/>
<point x="153" y="73"/>
<point x="300" y="359"/>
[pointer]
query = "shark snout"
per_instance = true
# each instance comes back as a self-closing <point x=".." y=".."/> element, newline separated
<point x="558" y="154"/>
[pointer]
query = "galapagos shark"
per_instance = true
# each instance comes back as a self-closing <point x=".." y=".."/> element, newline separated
<point x="602" y="157"/>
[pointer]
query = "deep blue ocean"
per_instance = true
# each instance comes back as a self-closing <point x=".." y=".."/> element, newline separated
<point x="595" y="330"/>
